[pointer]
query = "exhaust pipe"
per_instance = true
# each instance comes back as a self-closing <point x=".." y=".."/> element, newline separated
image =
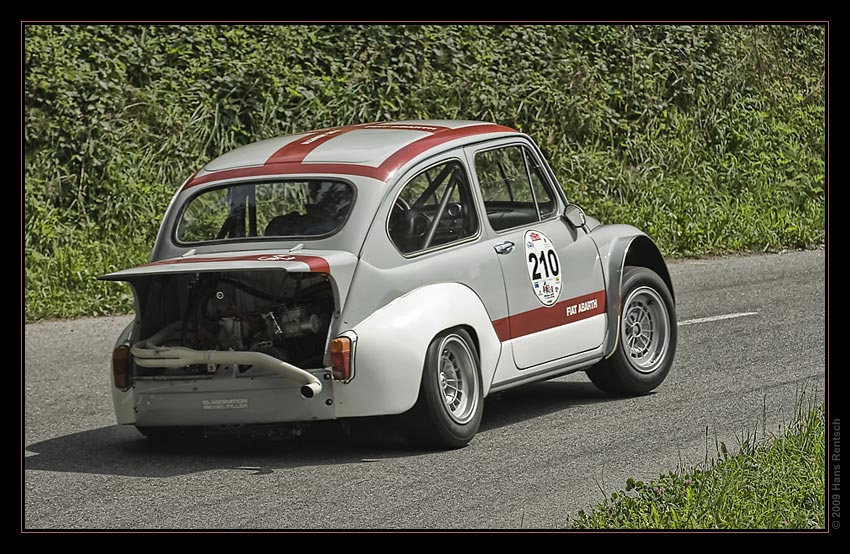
<point x="311" y="389"/>
<point x="148" y="354"/>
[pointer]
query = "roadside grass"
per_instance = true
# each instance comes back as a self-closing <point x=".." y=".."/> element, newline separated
<point x="773" y="482"/>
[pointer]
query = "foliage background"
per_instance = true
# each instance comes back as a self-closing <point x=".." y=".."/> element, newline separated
<point x="710" y="138"/>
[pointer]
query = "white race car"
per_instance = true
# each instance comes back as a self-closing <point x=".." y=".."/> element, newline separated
<point x="411" y="267"/>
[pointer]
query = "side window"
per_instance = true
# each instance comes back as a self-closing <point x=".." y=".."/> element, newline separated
<point x="546" y="205"/>
<point x="510" y="180"/>
<point x="434" y="208"/>
<point x="502" y="176"/>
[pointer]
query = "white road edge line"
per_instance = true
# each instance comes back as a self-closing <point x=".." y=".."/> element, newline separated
<point x="715" y="318"/>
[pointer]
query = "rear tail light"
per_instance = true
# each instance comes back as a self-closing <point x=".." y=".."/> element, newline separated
<point x="121" y="366"/>
<point x="341" y="358"/>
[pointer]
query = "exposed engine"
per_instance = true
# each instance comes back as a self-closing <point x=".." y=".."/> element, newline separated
<point x="284" y="315"/>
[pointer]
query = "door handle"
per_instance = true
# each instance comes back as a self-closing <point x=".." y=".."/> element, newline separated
<point x="504" y="247"/>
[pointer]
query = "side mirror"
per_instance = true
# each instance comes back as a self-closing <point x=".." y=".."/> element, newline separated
<point x="575" y="216"/>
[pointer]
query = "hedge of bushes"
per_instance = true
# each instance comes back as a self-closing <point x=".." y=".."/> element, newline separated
<point x="711" y="138"/>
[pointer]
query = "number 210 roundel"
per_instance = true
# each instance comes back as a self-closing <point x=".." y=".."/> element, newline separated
<point x="544" y="267"/>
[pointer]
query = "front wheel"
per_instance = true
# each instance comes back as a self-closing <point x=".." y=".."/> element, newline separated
<point x="448" y="411"/>
<point x="647" y="336"/>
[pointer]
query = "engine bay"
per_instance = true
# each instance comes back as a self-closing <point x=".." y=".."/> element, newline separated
<point x="277" y="313"/>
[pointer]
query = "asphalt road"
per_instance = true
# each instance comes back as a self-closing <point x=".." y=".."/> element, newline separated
<point x="543" y="452"/>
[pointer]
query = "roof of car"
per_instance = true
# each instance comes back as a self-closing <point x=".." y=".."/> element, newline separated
<point x="375" y="150"/>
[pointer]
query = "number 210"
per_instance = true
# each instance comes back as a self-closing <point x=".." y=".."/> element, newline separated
<point x="551" y="268"/>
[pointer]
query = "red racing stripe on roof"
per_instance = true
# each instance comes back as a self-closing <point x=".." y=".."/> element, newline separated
<point x="284" y="169"/>
<point x="382" y="173"/>
<point x="296" y="151"/>
<point x="405" y="127"/>
<point x="404" y="155"/>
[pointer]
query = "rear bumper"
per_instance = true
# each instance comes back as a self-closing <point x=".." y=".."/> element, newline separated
<point x="229" y="401"/>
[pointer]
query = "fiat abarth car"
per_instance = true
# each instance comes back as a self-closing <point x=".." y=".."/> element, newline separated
<point x="411" y="267"/>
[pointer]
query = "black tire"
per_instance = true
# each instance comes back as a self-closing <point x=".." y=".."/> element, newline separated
<point x="624" y="372"/>
<point x="432" y="423"/>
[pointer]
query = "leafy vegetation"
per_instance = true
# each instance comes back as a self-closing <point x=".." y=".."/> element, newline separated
<point x="772" y="483"/>
<point x="711" y="138"/>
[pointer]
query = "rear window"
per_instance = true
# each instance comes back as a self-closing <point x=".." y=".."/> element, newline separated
<point x="306" y="208"/>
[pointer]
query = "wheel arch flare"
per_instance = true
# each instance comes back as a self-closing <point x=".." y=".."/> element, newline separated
<point x="620" y="246"/>
<point x="393" y="341"/>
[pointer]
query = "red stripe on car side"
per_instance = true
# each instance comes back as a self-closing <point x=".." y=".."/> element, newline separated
<point x="317" y="264"/>
<point x="540" y="319"/>
<point x="381" y="173"/>
<point x="503" y="328"/>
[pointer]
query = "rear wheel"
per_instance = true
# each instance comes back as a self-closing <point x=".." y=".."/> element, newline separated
<point x="647" y="337"/>
<point x="448" y="411"/>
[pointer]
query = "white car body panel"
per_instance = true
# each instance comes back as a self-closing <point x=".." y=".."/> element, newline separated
<point x="551" y="344"/>
<point x="578" y="337"/>
<point x="391" y="346"/>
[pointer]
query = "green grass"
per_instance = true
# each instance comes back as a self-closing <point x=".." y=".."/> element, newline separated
<point x="772" y="483"/>
<point x="710" y="138"/>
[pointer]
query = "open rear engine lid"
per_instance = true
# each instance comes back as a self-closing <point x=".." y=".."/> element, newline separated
<point x="336" y="262"/>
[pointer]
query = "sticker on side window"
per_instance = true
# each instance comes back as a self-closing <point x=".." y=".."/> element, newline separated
<point x="544" y="267"/>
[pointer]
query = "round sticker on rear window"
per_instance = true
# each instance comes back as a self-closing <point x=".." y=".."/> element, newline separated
<point x="544" y="267"/>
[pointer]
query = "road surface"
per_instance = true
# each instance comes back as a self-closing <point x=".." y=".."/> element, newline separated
<point x="752" y="341"/>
